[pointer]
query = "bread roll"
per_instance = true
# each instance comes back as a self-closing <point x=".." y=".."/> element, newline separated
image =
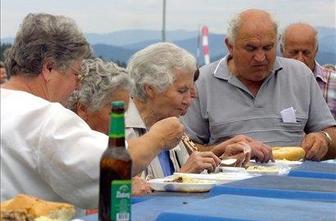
<point x="39" y="208"/>
<point x="288" y="153"/>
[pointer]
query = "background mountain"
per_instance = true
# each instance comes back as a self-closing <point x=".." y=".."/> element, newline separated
<point x="119" y="46"/>
<point x="129" y="37"/>
<point x="134" y="40"/>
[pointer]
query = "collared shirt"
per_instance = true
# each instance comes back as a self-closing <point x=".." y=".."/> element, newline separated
<point x="225" y="107"/>
<point x="327" y="82"/>
<point x="166" y="162"/>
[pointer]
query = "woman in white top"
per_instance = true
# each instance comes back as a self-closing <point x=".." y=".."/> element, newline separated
<point x="47" y="150"/>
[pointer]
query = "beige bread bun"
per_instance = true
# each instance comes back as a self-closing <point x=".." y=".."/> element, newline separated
<point x="36" y="207"/>
<point x="288" y="153"/>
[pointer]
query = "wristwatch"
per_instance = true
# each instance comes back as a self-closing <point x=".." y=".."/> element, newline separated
<point x="328" y="137"/>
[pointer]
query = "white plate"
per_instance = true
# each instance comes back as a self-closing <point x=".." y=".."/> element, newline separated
<point x="219" y="178"/>
<point x="288" y="162"/>
<point x="161" y="184"/>
<point x="270" y="168"/>
<point x="264" y="169"/>
<point x="240" y="170"/>
<point x="329" y="161"/>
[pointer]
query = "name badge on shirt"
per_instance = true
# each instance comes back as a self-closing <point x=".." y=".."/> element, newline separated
<point x="288" y="115"/>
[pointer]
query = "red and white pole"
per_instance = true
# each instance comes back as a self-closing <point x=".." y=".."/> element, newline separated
<point x="205" y="44"/>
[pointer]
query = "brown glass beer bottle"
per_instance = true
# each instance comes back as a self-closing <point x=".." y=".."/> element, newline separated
<point x="115" y="171"/>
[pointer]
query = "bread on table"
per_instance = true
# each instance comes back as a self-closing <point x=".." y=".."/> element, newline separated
<point x="288" y="153"/>
<point x="25" y="208"/>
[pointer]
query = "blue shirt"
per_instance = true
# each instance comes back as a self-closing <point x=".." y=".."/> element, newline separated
<point x="165" y="162"/>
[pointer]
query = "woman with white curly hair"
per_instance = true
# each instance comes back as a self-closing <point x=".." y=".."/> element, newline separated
<point x="103" y="82"/>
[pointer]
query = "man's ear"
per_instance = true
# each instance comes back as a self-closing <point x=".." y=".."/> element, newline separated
<point x="150" y="91"/>
<point x="82" y="111"/>
<point x="229" y="46"/>
<point x="46" y="70"/>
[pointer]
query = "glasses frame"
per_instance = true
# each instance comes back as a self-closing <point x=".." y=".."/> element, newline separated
<point x="78" y="73"/>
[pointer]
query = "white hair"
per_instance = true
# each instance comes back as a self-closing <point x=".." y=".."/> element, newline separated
<point x="156" y="65"/>
<point x="100" y="80"/>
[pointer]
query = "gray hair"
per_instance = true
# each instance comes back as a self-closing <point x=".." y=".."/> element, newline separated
<point x="156" y="65"/>
<point x="45" y="38"/>
<point x="314" y="31"/>
<point x="234" y="25"/>
<point x="101" y="79"/>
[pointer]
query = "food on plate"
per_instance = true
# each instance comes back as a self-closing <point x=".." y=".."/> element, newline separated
<point x="262" y="169"/>
<point x="178" y="179"/>
<point x="288" y="153"/>
<point x="181" y="183"/>
<point x="184" y="179"/>
<point x="19" y="215"/>
<point x="26" y="208"/>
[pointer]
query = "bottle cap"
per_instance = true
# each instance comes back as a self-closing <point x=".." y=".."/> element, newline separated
<point x="118" y="104"/>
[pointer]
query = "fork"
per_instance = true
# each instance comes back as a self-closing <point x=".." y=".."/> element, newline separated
<point x="188" y="143"/>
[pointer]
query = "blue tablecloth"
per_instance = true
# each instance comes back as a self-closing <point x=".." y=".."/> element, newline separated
<point x="233" y="207"/>
<point x="281" y="187"/>
<point x="270" y="198"/>
<point x="150" y="208"/>
<point x="229" y="207"/>
<point x="315" y="170"/>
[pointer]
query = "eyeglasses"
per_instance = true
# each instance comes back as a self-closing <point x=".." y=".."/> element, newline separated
<point x="80" y="76"/>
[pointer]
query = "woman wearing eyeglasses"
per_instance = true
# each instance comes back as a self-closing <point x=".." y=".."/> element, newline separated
<point x="47" y="150"/>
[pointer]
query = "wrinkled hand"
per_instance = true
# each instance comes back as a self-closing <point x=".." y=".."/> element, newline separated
<point x="169" y="131"/>
<point x="199" y="161"/>
<point x="315" y="145"/>
<point x="140" y="186"/>
<point x="220" y="148"/>
<point x="261" y="152"/>
<point x="240" y="151"/>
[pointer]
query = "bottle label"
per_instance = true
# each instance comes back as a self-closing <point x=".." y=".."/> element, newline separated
<point x="117" y="126"/>
<point x="121" y="200"/>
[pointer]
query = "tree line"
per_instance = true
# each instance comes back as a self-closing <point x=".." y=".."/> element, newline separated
<point x="4" y="46"/>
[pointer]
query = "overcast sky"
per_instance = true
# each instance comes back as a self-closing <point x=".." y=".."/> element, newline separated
<point x="104" y="16"/>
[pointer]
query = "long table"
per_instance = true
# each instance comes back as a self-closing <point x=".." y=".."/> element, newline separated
<point x="247" y="208"/>
<point x="285" y="187"/>
<point x="229" y="207"/>
<point x="315" y="170"/>
<point x="270" y="198"/>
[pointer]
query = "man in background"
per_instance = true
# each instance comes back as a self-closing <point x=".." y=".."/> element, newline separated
<point x="299" y="41"/>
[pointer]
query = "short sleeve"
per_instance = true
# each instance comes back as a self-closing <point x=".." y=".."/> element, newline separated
<point x="320" y="116"/>
<point x="196" y="123"/>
